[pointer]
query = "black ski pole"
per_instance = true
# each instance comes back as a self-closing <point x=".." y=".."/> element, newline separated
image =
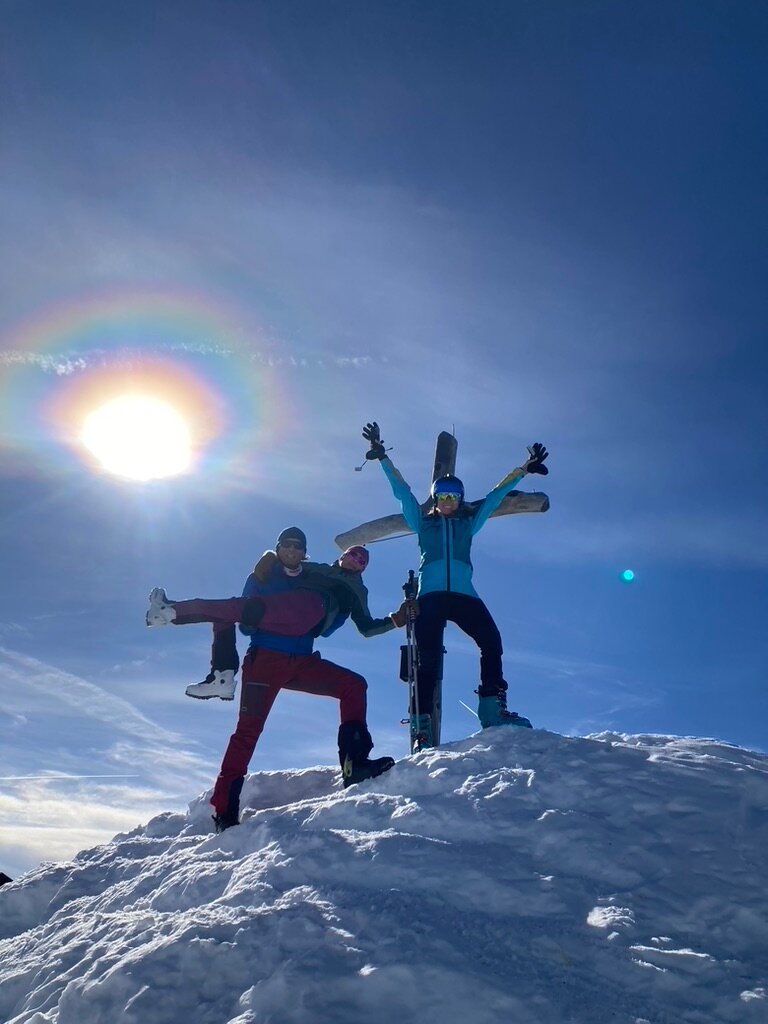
<point x="409" y="589"/>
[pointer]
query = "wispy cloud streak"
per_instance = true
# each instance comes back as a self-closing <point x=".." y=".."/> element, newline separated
<point x="53" y="814"/>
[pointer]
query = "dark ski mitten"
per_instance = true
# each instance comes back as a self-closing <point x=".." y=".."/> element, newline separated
<point x="372" y="435"/>
<point x="538" y="454"/>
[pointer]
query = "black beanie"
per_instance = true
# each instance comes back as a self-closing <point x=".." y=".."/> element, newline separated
<point x="292" y="533"/>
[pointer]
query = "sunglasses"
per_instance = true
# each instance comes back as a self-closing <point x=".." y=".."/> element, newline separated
<point x="360" y="560"/>
<point x="295" y="544"/>
<point x="441" y="498"/>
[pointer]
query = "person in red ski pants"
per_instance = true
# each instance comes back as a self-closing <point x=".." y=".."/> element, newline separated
<point x="277" y="661"/>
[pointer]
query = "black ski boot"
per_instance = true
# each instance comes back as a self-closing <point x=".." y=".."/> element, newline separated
<point x="355" y="744"/>
<point x="231" y="816"/>
<point x="224" y="821"/>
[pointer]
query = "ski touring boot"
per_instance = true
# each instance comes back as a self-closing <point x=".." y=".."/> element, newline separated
<point x="359" y="771"/>
<point x="421" y="732"/>
<point x="492" y="711"/>
<point x="355" y="744"/>
<point x="218" y="683"/>
<point x="160" y="612"/>
<point x="231" y="814"/>
<point x="221" y="822"/>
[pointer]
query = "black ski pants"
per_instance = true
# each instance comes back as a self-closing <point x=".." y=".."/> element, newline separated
<point x="474" y="619"/>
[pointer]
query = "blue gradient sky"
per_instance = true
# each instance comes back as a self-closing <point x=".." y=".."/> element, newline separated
<point x="522" y="221"/>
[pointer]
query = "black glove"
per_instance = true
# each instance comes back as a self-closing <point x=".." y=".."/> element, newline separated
<point x="538" y="454"/>
<point x="372" y="434"/>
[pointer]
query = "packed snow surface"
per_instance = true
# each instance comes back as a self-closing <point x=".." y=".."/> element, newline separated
<point x="517" y="876"/>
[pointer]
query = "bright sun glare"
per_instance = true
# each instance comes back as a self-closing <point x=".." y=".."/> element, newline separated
<point x="138" y="437"/>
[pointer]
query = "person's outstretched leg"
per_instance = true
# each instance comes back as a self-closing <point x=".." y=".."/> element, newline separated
<point x="291" y="614"/>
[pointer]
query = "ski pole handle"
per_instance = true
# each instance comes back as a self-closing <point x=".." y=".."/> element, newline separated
<point x="409" y="587"/>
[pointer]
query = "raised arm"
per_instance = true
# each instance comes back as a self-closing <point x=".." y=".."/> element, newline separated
<point x="410" y="506"/>
<point x="534" y="464"/>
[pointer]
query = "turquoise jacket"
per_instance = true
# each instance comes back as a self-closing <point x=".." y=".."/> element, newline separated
<point x="445" y="541"/>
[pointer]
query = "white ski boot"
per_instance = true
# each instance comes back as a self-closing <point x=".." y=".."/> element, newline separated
<point x="216" y="684"/>
<point x="161" y="612"/>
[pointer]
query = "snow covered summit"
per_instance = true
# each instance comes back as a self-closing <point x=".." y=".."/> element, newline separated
<point x="515" y="876"/>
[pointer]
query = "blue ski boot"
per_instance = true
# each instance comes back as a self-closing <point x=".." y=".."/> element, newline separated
<point x="493" y="711"/>
<point x="421" y="732"/>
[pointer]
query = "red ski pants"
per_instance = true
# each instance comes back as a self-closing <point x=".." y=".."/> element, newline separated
<point x="267" y="672"/>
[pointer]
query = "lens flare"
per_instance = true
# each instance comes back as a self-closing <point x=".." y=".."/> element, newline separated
<point x="138" y="437"/>
<point x="627" y="575"/>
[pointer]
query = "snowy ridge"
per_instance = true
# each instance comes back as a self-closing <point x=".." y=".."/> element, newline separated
<point x="514" y="876"/>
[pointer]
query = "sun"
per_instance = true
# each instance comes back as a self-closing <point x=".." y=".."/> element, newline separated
<point x="138" y="437"/>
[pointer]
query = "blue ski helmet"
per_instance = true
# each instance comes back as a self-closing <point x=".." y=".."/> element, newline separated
<point x="447" y="484"/>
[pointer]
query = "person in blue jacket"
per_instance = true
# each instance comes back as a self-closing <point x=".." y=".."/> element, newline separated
<point x="445" y="592"/>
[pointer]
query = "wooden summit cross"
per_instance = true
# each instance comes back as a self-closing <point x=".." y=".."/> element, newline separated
<point x="445" y="462"/>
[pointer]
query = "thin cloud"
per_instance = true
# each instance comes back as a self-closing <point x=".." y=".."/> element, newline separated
<point x="62" y="366"/>
<point x="87" y="699"/>
<point x="63" y="811"/>
<point x="65" y="365"/>
<point x="43" y="824"/>
<point x="124" y="739"/>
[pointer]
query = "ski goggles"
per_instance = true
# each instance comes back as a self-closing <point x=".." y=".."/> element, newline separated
<point x="443" y="497"/>
<point x="358" y="555"/>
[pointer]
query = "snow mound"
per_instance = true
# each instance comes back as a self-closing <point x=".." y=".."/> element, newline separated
<point x="515" y="876"/>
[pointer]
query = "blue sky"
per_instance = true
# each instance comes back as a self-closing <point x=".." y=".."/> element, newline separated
<point x="519" y="221"/>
